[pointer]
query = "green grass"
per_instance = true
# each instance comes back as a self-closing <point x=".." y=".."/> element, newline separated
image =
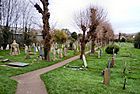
<point x="7" y="85"/>
<point x="68" y="81"/>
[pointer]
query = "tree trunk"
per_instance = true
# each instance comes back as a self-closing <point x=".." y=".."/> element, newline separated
<point x="82" y="45"/>
<point x="93" y="46"/>
<point x="46" y="34"/>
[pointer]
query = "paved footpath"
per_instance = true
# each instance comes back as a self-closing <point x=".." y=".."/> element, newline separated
<point x="30" y="83"/>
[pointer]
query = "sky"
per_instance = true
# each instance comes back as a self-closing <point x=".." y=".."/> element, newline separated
<point x="124" y="15"/>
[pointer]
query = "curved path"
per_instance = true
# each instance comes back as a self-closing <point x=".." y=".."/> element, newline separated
<point x="30" y="83"/>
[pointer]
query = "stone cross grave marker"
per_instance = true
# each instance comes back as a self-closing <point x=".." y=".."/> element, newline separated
<point x="84" y="60"/>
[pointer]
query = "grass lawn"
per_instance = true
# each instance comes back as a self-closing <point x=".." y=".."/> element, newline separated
<point x="68" y="81"/>
<point x="7" y="85"/>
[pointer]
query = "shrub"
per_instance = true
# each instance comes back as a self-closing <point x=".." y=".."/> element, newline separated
<point x="137" y="41"/>
<point x="109" y="49"/>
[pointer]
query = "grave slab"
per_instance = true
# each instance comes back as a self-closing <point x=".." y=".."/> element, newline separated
<point x="18" y="64"/>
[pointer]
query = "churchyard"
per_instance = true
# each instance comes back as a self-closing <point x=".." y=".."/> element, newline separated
<point x="82" y="55"/>
<point x="73" y="80"/>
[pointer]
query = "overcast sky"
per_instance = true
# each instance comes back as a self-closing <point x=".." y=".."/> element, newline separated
<point x="124" y="15"/>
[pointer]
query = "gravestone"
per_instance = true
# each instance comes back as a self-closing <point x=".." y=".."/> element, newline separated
<point x="5" y="60"/>
<point x="99" y="56"/>
<point x="1" y="48"/>
<point x="7" y="47"/>
<point x="54" y="53"/>
<point x="34" y="47"/>
<point x="41" y="53"/>
<point x="65" y="51"/>
<point x="29" y="49"/>
<point x="14" y="48"/>
<point x="26" y="49"/>
<point x="106" y="76"/>
<point x="100" y="52"/>
<point x="58" y="51"/>
<point x="74" y="47"/>
<point x="18" y="64"/>
<point x="113" y="59"/>
<point x="61" y="54"/>
<point x="84" y="60"/>
<point x="77" y="46"/>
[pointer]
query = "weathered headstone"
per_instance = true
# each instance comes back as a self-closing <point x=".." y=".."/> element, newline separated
<point x="7" y="47"/>
<point x="41" y="53"/>
<point x="106" y="76"/>
<point x="65" y="51"/>
<point x="54" y="54"/>
<point x="99" y="54"/>
<point x="77" y="46"/>
<point x="26" y="49"/>
<point x="113" y="59"/>
<point x="34" y="47"/>
<point x="29" y="49"/>
<point x="58" y="51"/>
<point x="74" y="46"/>
<point x="14" y="48"/>
<point x="1" y="48"/>
<point x="61" y="54"/>
<point x="84" y="60"/>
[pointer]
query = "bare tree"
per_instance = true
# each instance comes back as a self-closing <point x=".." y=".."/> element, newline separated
<point x="46" y="34"/>
<point x="108" y="34"/>
<point x="82" y="20"/>
<point x="97" y="16"/>
<point x="8" y="10"/>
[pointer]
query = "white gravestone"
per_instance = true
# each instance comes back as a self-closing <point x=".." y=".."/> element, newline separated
<point x="58" y="51"/>
<point x="1" y="48"/>
<point x="26" y="49"/>
<point x="34" y="48"/>
<point x="84" y="60"/>
<point x="7" y="47"/>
